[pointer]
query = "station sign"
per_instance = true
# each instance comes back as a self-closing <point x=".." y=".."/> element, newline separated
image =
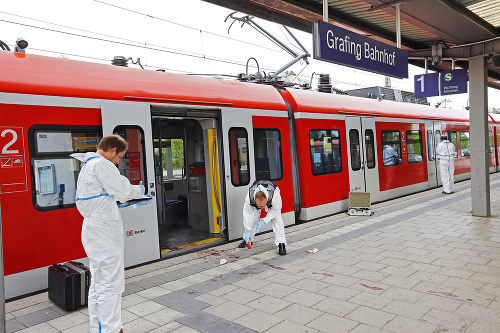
<point x="440" y="84"/>
<point x="426" y="85"/>
<point x="453" y="82"/>
<point x="344" y="47"/>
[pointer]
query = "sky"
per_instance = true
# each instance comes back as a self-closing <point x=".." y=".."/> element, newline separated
<point x="188" y="36"/>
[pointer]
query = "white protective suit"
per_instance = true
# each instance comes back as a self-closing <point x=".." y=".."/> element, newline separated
<point x="251" y="216"/>
<point x="99" y="186"/>
<point x="445" y="152"/>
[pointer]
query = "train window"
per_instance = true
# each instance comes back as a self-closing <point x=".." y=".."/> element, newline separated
<point x="414" y="146"/>
<point x="452" y="137"/>
<point x="238" y="149"/>
<point x="64" y="141"/>
<point x="490" y="133"/>
<point x="325" y="151"/>
<point x="267" y="147"/>
<point x="354" y="149"/>
<point x="53" y="172"/>
<point x="430" y="145"/>
<point x="370" y="149"/>
<point x="498" y="139"/>
<point x="171" y="157"/>
<point x="464" y="143"/>
<point x="133" y="163"/>
<point x="391" y="143"/>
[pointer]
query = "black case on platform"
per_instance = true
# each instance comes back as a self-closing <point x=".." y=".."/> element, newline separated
<point x="69" y="285"/>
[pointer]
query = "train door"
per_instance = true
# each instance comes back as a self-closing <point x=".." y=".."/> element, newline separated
<point x="432" y="138"/>
<point x="240" y="172"/>
<point x="187" y="177"/>
<point x="362" y="159"/>
<point x="133" y="121"/>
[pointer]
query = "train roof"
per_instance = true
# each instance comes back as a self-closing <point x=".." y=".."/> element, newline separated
<point x="308" y="101"/>
<point x="41" y="75"/>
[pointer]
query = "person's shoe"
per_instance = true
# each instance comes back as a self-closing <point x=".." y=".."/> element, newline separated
<point x="242" y="244"/>
<point x="281" y="249"/>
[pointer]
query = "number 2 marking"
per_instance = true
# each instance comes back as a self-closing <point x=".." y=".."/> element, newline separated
<point x="14" y="139"/>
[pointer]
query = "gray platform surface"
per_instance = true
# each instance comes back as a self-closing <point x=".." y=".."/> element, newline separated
<point x="421" y="264"/>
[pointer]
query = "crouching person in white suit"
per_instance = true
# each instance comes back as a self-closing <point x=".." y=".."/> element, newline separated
<point x="263" y="195"/>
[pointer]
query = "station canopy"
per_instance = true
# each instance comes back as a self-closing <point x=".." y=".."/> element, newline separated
<point x="463" y="28"/>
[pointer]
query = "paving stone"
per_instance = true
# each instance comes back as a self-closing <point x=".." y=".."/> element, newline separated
<point x="198" y="320"/>
<point x="176" y="297"/>
<point x="328" y="322"/>
<point x="190" y="306"/>
<point x="222" y="326"/>
<point x="38" y="317"/>
<point x="13" y="325"/>
<point x="258" y="320"/>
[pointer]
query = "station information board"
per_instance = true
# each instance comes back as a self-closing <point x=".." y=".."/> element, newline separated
<point x="344" y="47"/>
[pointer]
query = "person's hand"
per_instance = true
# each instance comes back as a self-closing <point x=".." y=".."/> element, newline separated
<point x="260" y="225"/>
<point x="248" y="236"/>
<point x="143" y="189"/>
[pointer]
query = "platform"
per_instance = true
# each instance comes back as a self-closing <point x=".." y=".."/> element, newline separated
<point x="420" y="264"/>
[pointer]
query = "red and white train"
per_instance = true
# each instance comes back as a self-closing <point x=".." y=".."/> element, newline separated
<point x="198" y="143"/>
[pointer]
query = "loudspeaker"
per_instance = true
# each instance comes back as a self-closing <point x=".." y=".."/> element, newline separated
<point x="496" y="60"/>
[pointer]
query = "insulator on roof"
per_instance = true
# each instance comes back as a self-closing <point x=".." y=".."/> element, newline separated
<point x="120" y="61"/>
<point x="324" y="84"/>
<point x="241" y="77"/>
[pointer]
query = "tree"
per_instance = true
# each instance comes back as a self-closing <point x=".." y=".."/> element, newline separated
<point x="177" y="153"/>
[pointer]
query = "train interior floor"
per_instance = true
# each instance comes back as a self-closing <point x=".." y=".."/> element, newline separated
<point x="422" y="263"/>
<point x="181" y="237"/>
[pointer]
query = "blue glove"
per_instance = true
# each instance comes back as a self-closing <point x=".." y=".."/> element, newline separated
<point x="248" y="235"/>
<point x="143" y="190"/>
<point x="260" y="225"/>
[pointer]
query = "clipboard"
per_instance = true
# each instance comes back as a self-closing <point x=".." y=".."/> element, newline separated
<point x="129" y="202"/>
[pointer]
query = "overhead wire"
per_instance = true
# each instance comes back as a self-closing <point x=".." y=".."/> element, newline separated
<point x="152" y="47"/>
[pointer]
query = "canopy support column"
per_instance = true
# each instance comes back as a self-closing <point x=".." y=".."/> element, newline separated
<point x="479" y="137"/>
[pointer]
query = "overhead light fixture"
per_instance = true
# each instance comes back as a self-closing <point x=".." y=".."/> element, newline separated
<point x="21" y="45"/>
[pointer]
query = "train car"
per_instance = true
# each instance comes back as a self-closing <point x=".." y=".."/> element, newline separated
<point x="199" y="144"/>
<point x="341" y="141"/>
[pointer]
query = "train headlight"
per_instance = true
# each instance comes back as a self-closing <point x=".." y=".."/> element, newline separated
<point x="21" y="45"/>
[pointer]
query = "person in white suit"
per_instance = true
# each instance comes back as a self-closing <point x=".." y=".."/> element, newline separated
<point x="263" y="195"/>
<point x="99" y="187"/>
<point x="445" y="152"/>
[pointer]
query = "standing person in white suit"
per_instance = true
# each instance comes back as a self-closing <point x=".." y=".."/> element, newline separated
<point x="263" y="195"/>
<point x="99" y="187"/>
<point x="445" y="152"/>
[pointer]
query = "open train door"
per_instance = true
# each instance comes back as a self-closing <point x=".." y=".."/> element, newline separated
<point x="432" y="138"/>
<point x="133" y="121"/>
<point x="362" y="156"/>
<point x="239" y="170"/>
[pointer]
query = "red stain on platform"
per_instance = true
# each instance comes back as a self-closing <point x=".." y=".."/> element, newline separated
<point x="255" y="258"/>
<point x="442" y="292"/>
<point x="206" y="254"/>
<point x="274" y="267"/>
<point x="372" y="288"/>
<point x="325" y="274"/>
